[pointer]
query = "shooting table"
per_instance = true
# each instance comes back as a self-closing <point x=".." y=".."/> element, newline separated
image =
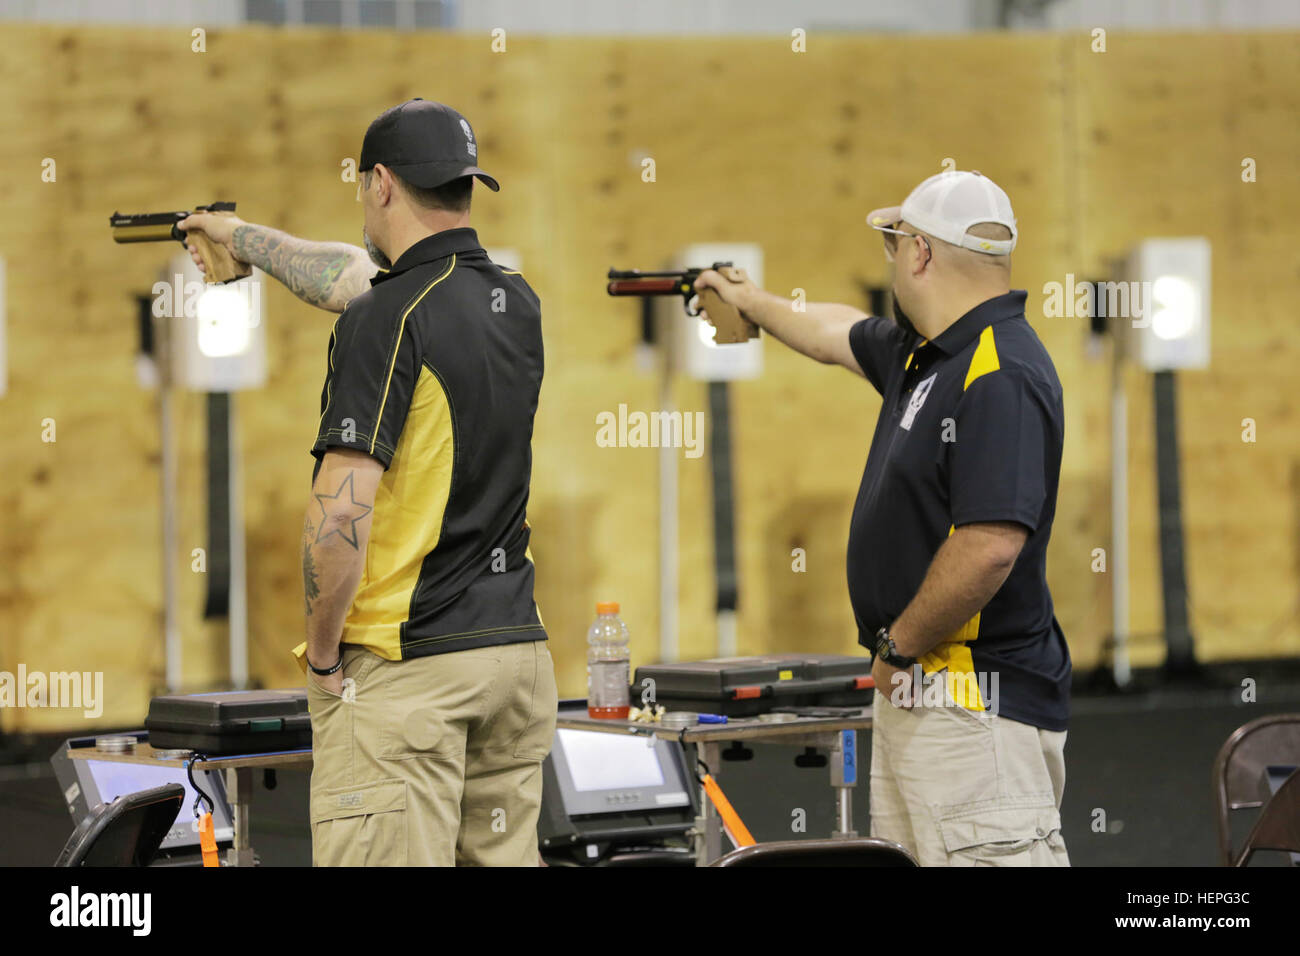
<point x="836" y="735"/>
<point x="239" y="782"/>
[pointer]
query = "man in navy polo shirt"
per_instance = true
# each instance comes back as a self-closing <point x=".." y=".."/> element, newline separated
<point x="947" y="548"/>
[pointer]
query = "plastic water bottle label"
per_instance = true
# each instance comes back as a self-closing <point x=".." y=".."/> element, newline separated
<point x="608" y="683"/>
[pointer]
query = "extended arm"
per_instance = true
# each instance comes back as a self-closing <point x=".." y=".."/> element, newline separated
<point x="819" y="330"/>
<point x="324" y="274"/>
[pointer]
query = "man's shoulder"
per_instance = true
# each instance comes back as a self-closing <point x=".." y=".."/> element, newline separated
<point x="397" y="293"/>
<point x="364" y="313"/>
<point x="1022" y="356"/>
<point x="479" y="287"/>
<point x="453" y="287"/>
<point x="886" y="330"/>
<point x="469" y="278"/>
<point x="516" y="278"/>
<point x="883" y="336"/>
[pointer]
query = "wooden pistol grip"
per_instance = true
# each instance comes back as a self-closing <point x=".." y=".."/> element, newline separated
<point x="725" y="318"/>
<point x="218" y="264"/>
<point x="732" y="327"/>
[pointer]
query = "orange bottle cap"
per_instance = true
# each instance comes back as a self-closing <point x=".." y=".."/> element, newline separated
<point x="607" y="607"/>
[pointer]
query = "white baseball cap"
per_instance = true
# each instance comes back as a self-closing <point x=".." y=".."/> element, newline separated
<point x="949" y="203"/>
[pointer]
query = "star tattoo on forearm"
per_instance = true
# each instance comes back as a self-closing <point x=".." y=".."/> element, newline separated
<point x="348" y="508"/>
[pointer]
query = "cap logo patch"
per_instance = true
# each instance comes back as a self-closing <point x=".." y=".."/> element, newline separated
<point x="469" y="139"/>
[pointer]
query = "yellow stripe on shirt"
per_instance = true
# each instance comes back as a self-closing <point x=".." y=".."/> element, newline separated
<point x="401" y="329"/>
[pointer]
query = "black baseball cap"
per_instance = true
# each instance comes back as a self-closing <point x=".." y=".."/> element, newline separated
<point x="427" y="144"/>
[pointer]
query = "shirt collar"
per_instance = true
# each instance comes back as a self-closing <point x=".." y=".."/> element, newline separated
<point x="965" y="330"/>
<point x="440" y="245"/>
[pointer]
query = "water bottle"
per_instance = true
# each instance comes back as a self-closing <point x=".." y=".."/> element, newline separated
<point x="609" y="659"/>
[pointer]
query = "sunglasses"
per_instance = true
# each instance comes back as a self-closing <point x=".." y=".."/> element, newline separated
<point x="891" y="240"/>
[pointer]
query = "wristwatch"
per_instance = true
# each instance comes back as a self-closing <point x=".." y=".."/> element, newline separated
<point x="888" y="653"/>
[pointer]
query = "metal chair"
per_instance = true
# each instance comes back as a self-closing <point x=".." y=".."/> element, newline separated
<point x="1278" y="826"/>
<point x="1238" y="775"/>
<point x="862" y="851"/>
<point x="125" y="832"/>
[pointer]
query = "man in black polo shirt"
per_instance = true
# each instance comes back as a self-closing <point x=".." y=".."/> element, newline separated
<point x="947" y="548"/>
<point x="432" y="691"/>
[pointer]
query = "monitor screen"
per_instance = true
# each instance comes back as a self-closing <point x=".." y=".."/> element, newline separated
<point x="610" y="773"/>
<point x="599" y="761"/>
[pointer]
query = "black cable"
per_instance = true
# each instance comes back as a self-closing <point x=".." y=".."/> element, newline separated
<point x="189" y="772"/>
<point x="681" y="739"/>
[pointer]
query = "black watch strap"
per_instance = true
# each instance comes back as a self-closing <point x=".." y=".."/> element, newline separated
<point x="888" y="653"/>
<point x="324" y="672"/>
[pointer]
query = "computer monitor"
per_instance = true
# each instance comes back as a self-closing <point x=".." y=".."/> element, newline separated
<point x="601" y="773"/>
<point x="87" y="783"/>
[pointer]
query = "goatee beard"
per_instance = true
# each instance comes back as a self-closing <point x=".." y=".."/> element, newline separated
<point x="376" y="256"/>
<point x="900" y="317"/>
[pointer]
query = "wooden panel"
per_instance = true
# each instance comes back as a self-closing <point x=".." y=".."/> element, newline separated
<point x="751" y="143"/>
<point x="1163" y="126"/>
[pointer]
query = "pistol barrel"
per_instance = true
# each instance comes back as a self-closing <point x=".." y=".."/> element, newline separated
<point x="156" y="226"/>
<point x="648" y="286"/>
<point x="149" y="233"/>
<point x="146" y="227"/>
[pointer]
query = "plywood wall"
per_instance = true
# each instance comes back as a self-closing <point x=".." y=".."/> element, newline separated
<point x="751" y="142"/>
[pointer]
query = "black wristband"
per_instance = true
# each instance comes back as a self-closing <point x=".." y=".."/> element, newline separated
<point x="888" y="653"/>
<point x="327" y="671"/>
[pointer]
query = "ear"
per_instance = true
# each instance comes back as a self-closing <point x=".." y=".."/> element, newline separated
<point x="383" y="184"/>
<point x="924" y="254"/>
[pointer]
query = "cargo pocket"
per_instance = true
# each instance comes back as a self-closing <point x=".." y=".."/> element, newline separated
<point x="360" y="826"/>
<point x="999" y="836"/>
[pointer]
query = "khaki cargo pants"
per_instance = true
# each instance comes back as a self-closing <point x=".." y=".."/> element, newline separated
<point x="433" y="761"/>
<point x="959" y="789"/>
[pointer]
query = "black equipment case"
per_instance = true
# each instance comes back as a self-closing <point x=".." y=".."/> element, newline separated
<point x="746" y="686"/>
<point x="237" y="722"/>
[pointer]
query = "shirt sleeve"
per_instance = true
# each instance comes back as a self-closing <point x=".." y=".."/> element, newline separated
<point x="876" y="343"/>
<point x="998" y="461"/>
<point x="374" y="363"/>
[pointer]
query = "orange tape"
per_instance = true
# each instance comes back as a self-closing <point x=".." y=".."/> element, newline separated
<point x="736" y="828"/>
<point x="208" y="841"/>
